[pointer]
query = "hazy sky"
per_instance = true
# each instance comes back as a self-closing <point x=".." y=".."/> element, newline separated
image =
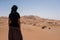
<point x="43" y="8"/>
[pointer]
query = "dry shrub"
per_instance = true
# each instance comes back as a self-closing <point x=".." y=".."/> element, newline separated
<point x="43" y="27"/>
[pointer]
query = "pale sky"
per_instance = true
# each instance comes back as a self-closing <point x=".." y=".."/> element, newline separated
<point x="42" y="8"/>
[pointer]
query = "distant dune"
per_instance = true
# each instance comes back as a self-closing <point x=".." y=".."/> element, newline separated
<point x="33" y="28"/>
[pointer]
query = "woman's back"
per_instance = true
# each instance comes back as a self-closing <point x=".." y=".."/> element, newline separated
<point x="14" y="25"/>
<point x="14" y="19"/>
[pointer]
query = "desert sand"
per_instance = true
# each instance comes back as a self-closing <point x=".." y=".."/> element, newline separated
<point x="33" y="28"/>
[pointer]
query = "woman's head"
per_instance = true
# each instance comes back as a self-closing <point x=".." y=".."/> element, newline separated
<point x="14" y="8"/>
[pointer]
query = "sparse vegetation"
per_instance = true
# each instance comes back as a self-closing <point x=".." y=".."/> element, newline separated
<point x="44" y="27"/>
<point x="34" y="24"/>
<point x="49" y="28"/>
<point x="50" y="22"/>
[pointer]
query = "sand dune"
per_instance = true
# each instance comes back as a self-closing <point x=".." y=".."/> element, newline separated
<point x="33" y="28"/>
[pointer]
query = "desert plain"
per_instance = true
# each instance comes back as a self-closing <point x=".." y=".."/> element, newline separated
<point x="33" y="28"/>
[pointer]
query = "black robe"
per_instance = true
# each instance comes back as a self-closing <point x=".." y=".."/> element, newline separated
<point x="14" y="27"/>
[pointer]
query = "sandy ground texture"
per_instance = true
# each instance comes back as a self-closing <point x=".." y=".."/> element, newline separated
<point x="33" y="28"/>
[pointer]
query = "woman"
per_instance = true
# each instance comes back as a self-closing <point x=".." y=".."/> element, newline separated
<point x="14" y="24"/>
